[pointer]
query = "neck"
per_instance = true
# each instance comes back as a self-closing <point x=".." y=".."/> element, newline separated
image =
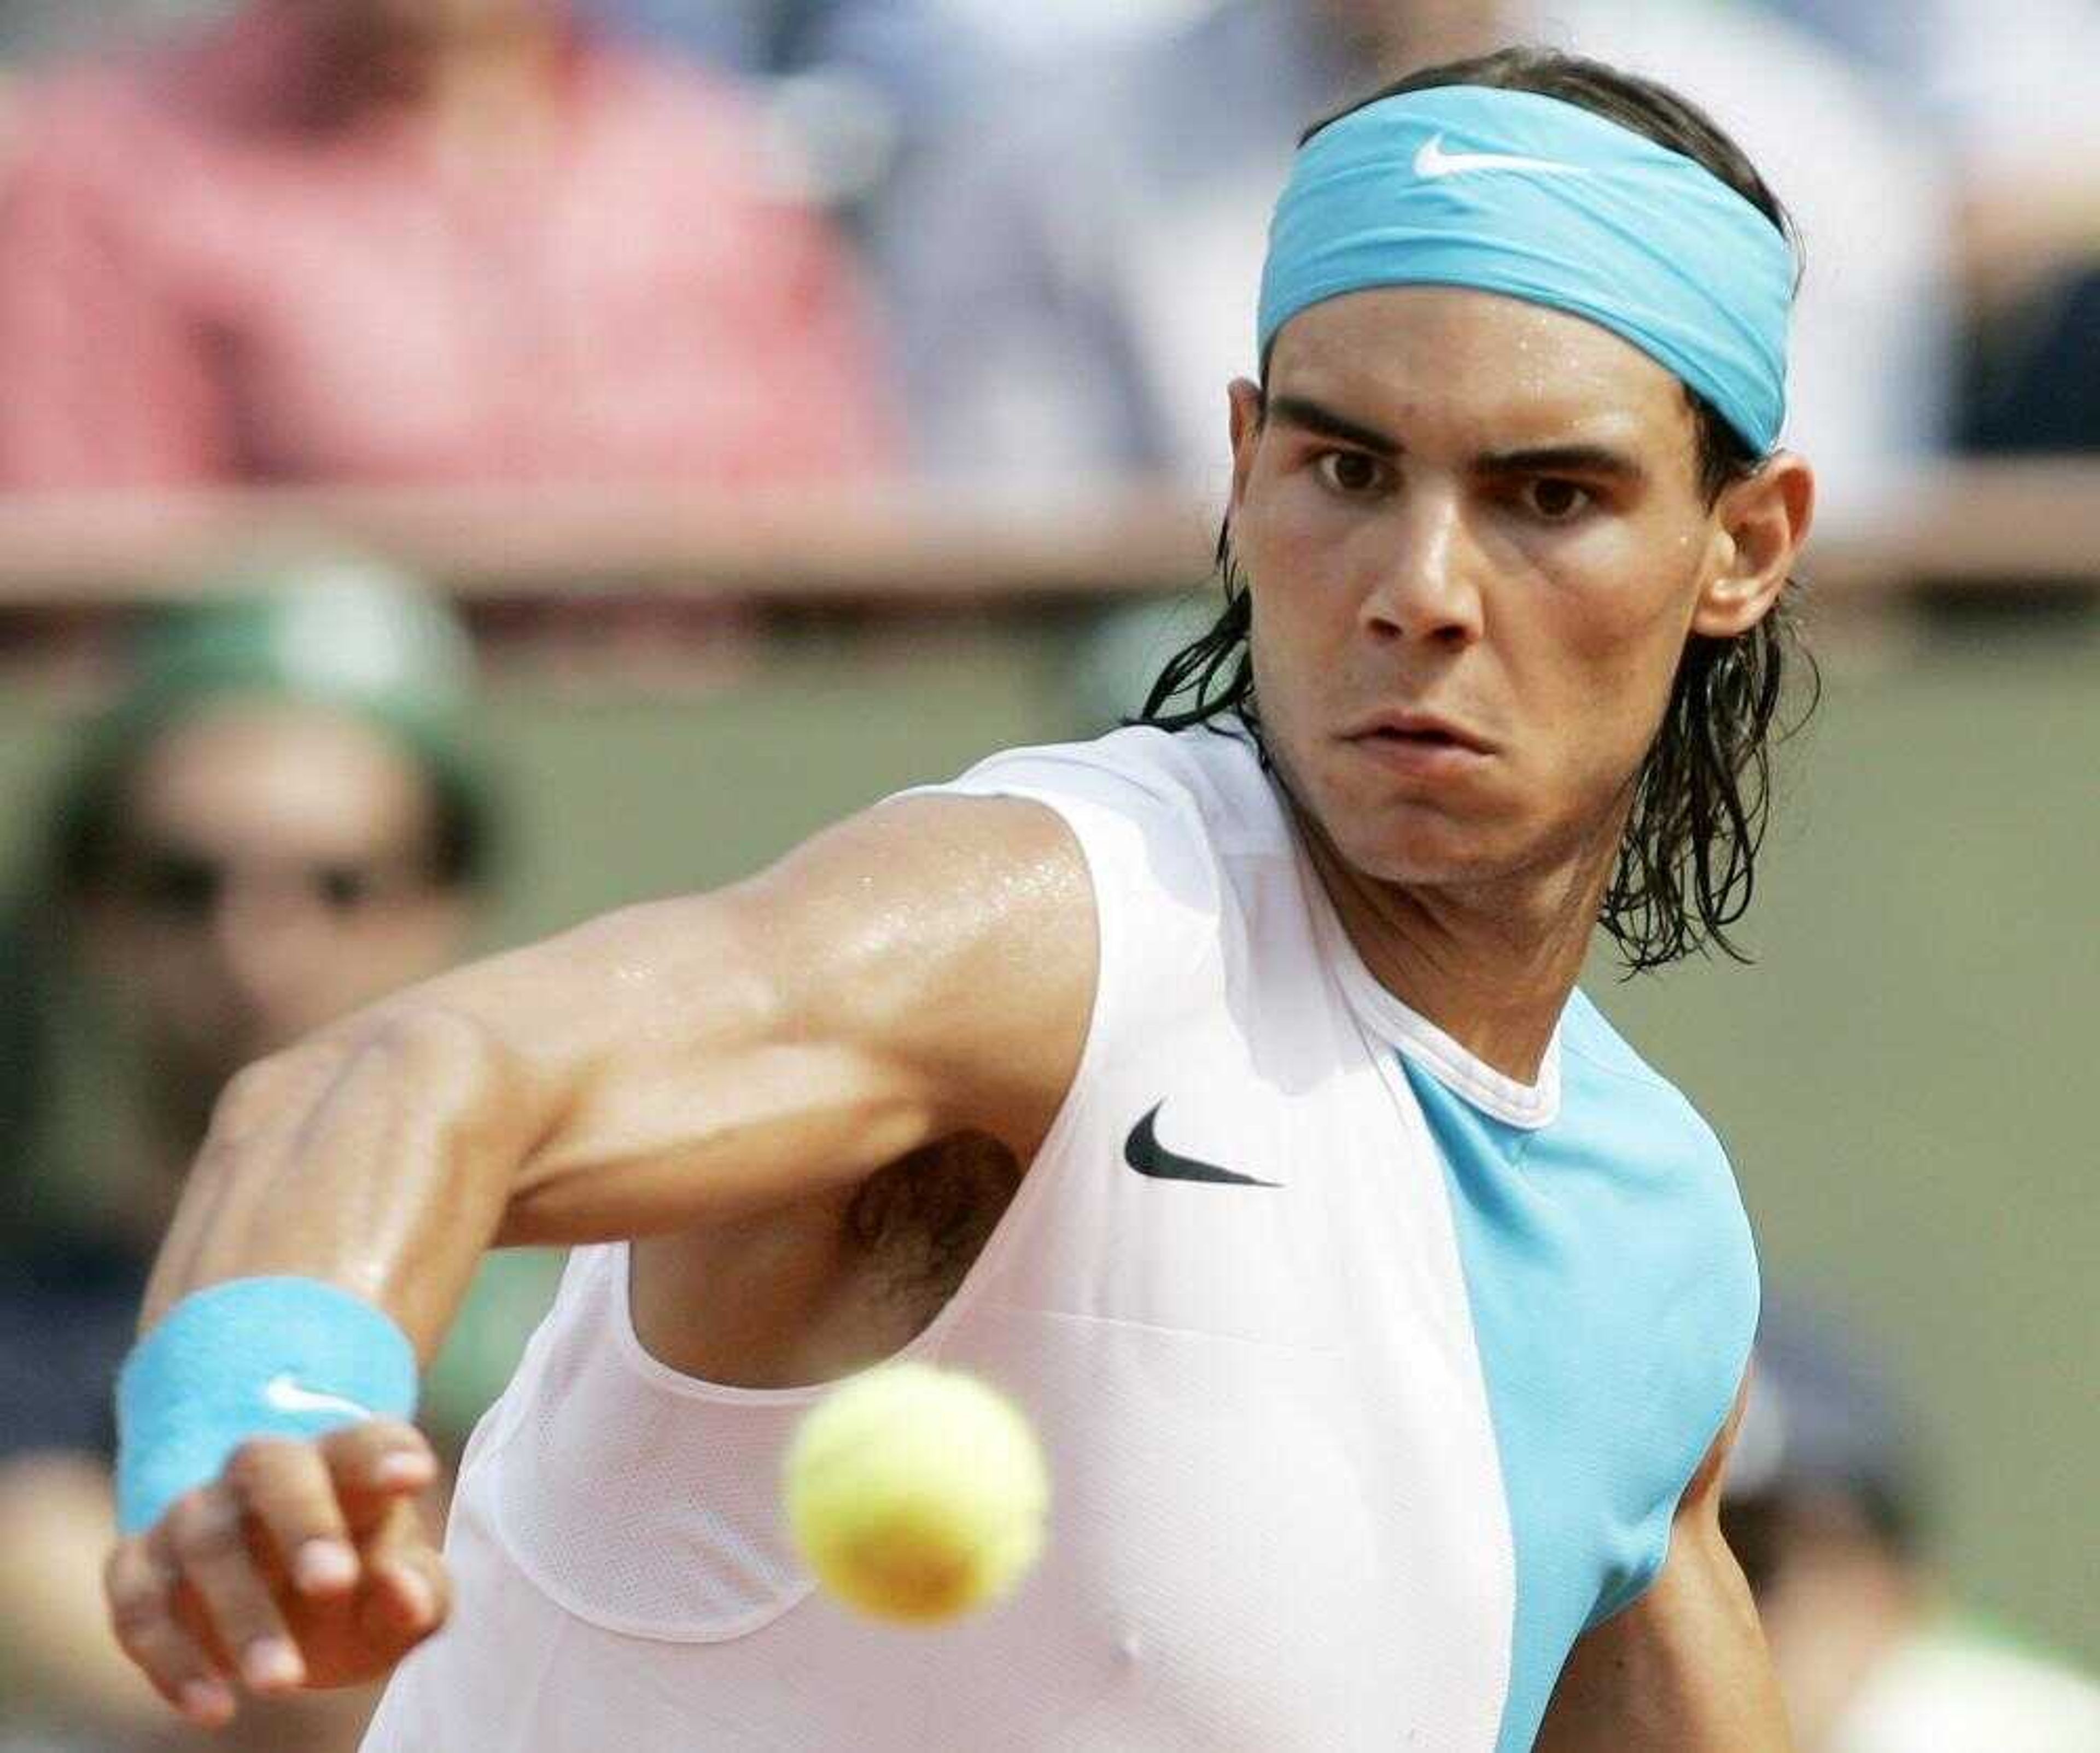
<point x="1492" y="964"/>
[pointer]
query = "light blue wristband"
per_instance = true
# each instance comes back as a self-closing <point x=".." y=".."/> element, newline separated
<point x="253" y="1357"/>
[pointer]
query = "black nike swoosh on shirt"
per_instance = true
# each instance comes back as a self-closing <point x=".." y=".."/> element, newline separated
<point x="1144" y="1152"/>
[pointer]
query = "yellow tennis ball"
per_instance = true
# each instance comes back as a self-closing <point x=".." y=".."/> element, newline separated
<point x="916" y="1493"/>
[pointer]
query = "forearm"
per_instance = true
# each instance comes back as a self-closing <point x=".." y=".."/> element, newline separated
<point x="1684" y="1670"/>
<point x="559" y="1093"/>
<point x="379" y="1157"/>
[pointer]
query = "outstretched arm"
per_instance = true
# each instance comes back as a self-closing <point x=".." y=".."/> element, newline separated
<point x="1684" y="1669"/>
<point x="924" y="968"/>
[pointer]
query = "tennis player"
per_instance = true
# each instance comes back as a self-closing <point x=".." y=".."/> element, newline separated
<point x="1219" y="1089"/>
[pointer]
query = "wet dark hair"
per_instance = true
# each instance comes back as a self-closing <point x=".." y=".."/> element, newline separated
<point x="1701" y="798"/>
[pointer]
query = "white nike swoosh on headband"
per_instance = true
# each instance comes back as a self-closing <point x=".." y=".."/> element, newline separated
<point x="285" y="1394"/>
<point x="1433" y="161"/>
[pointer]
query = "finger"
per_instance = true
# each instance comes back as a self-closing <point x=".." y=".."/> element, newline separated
<point x="140" y="1585"/>
<point x="407" y="1588"/>
<point x="290" y="1497"/>
<point x="207" y="1536"/>
<point x="374" y="1463"/>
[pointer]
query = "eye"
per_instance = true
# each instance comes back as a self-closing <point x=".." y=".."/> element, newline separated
<point x="1353" y="474"/>
<point x="180" y="887"/>
<point x="342" y="887"/>
<point x="1552" y="499"/>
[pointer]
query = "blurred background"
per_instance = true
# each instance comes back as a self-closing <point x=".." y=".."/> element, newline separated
<point x="465" y="465"/>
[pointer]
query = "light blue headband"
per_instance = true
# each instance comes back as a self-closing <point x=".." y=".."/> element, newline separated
<point x="1515" y="193"/>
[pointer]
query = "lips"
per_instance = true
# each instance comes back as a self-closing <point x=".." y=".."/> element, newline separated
<point x="1424" y="731"/>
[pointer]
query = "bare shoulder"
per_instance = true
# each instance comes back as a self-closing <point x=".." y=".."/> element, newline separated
<point x="945" y="867"/>
<point x="959" y="932"/>
<point x="925" y="967"/>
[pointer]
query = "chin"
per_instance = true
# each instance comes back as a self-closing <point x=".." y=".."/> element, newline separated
<point x="1410" y="838"/>
<point x="1417" y="831"/>
<point x="1429" y="861"/>
<point x="1406" y="842"/>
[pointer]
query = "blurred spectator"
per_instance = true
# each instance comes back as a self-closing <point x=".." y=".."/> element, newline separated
<point x="30" y="30"/>
<point x="416" y="241"/>
<point x="861" y="83"/>
<point x="2009" y="92"/>
<point x="281" y="818"/>
<point x="918" y="51"/>
<point x="1882" y="35"/>
<point x="1872" y="383"/>
<point x="2013" y="87"/>
<point x="852" y="85"/>
<point x="1824" y="1508"/>
<point x="1075" y="288"/>
<point x="2006" y="93"/>
<point x="2017" y="93"/>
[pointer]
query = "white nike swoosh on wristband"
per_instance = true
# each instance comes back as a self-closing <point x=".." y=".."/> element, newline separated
<point x="1432" y="161"/>
<point x="283" y="1393"/>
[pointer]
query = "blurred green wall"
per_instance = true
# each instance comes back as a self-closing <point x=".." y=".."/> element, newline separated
<point x="1902" y="1080"/>
<point x="1902" y="1077"/>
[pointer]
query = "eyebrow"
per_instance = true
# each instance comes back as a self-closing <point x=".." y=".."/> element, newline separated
<point x="1594" y="459"/>
<point x="1302" y="411"/>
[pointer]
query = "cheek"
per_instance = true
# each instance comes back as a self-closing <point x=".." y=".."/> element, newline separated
<point x="1278" y="619"/>
<point x="1616" y="621"/>
<point x="161" y="964"/>
<point x="1597" y="673"/>
<point x="1300" y="577"/>
<point x="1296" y="649"/>
<point x="401" y="947"/>
<point x="180" y="989"/>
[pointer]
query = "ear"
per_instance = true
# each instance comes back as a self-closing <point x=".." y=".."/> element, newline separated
<point x="1762" y="522"/>
<point x="1245" y="396"/>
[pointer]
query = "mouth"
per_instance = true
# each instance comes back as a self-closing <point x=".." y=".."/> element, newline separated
<point x="1420" y="732"/>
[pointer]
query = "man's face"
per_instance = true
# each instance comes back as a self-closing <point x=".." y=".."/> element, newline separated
<point x="272" y="873"/>
<point x="1476" y="542"/>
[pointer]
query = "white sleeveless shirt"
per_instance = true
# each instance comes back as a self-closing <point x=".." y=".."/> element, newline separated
<point x="1345" y="1452"/>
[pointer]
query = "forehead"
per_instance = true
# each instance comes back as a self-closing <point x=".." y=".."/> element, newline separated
<point x="1495" y="372"/>
<point x="262" y="774"/>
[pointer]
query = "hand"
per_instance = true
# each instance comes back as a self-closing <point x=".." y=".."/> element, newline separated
<point x="303" y="1565"/>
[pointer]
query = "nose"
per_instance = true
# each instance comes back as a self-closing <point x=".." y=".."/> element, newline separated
<point x="1426" y="589"/>
<point x="271" y="947"/>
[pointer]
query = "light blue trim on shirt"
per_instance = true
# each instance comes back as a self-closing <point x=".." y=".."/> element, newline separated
<point x="1614" y="1294"/>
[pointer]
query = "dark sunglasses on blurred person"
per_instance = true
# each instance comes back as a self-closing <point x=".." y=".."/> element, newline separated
<point x="185" y="886"/>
